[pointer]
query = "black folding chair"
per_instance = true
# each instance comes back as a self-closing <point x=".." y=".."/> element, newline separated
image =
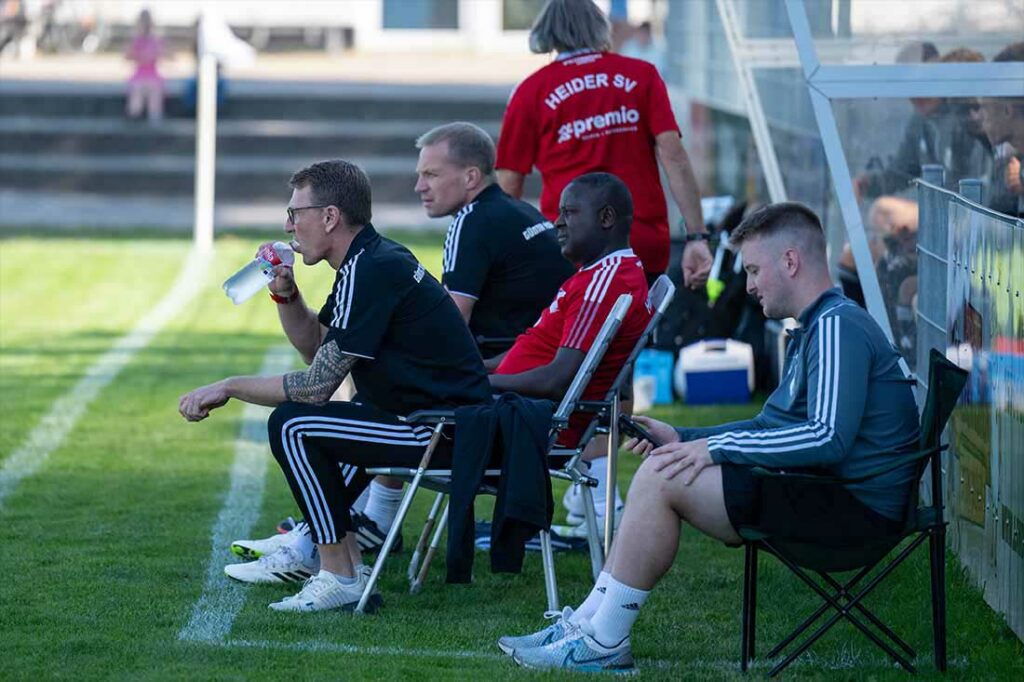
<point x="440" y="479"/>
<point x="925" y="522"/>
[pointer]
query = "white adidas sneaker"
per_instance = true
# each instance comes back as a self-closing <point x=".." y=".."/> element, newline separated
<point x="577" y="527"/>
<point x="286" y="565"/>
<point x="254" y="549"/>
<point x="323" y="592"/>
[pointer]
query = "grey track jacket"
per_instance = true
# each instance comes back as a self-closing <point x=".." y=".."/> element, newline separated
<point x="844" y="406"/>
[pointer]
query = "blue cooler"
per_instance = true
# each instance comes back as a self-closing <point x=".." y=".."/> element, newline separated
<point x="656" y="367"/>
<point x="715" y="371"/>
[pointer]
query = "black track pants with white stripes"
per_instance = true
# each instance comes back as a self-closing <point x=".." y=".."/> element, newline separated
<point x="311" y="441"/>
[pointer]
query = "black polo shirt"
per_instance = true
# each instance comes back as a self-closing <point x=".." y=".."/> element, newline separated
<point x="503" y="253"/>
<point x="415" y="351"/>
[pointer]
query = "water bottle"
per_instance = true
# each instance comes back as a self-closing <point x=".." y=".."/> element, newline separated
<point x="242" y="285"/>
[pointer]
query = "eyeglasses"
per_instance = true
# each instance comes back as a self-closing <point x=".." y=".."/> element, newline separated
<point x="292" y="211"/>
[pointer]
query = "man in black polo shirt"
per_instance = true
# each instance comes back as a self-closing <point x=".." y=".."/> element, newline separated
<point x="391" y="325"/>
<point x="502" y="263"/>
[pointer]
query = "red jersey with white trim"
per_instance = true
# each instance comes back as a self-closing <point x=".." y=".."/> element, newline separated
<point x="575" y="317"/>
<point x="590" y="112"/>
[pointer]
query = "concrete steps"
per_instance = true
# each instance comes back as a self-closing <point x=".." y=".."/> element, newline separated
<point x="73" y="138"/>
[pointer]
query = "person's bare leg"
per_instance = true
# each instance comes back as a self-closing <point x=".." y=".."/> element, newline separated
<point x="389" y="482"/>
<point x="133" y="106"/>
<point x="648" y="539"/>
<point x="355" y="556"/>
<point x="336" y="558"/>
<point x="155" y="104"/>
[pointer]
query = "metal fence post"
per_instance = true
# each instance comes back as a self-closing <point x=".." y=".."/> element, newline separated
<point x="971" y="189"/>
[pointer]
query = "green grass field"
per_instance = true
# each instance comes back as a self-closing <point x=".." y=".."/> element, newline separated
<point x="105" y="549"/>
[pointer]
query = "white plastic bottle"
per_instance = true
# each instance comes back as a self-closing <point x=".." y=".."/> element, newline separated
<point x="242" y="285"/>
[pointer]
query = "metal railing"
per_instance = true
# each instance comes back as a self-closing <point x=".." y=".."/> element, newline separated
<point x="971" y="306"/>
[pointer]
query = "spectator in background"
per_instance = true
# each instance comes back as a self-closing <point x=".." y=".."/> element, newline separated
<point x="642" y="45"/>
<point x="190" y="92"/>
<point x="920" y="143"/>
<point x="146" y="85"/>
<point x="1002" y="119"/>
<point x="592" y="110"/>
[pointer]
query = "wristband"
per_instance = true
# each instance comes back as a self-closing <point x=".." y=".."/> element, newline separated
<point x="285" y="299"/>
<point x="696" y="237"/>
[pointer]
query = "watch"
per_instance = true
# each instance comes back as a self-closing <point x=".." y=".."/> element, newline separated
<point x="696" y="237"/>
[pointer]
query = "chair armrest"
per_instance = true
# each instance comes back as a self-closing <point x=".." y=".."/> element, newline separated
<point x="430" y="417"/>
<point x="495" y="340"/>
<point x="761" y="472"/>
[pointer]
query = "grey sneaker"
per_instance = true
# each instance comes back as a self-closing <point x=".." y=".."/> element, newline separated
<point x="551" y="633"/>
<point x="578" y="651"/>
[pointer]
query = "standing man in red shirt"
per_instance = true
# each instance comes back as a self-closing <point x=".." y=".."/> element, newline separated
<point x="592" y="110"/>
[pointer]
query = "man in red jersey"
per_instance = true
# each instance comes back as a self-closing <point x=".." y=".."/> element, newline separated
<point x="593" y="226"/>
<point x="592" y="110"/>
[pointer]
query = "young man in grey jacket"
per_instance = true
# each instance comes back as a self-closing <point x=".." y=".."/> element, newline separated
<point x="843" y="406"/>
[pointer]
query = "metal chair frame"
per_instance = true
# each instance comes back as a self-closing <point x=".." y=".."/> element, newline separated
<point x="440" y="479"/>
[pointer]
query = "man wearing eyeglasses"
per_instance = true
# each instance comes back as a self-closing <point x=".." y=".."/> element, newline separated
<point x="390" y="324"/>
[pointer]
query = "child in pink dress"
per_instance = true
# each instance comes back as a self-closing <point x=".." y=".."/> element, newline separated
<point x="146" y="86"/>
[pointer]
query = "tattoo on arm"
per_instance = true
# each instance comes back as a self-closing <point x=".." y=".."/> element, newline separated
<point x="316" y="384"/>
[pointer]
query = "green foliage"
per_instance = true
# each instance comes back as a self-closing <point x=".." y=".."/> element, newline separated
<point x="104" y="552"/>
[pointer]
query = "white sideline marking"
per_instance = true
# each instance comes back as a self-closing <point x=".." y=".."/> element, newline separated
<point x="222" y="598"/>
<point x="56" y="424"/>
<point x="315" y="646"/>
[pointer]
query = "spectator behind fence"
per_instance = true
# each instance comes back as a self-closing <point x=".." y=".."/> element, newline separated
<point x="642" y="45"/>
<point x="843" y="407"/>
<point x="593" y="110"/>
<point x="1002" y="119"/>
<point x="146" y="85"/>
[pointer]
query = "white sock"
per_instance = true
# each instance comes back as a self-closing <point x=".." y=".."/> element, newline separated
<point x="618" y="611"/>
<point x="360" y="503"/>
<point x="382" y="504"/>
<point x="343" y="579"/>
<point x="589" y="606"/>
<point x="599" y="471"/>
<point x="303" y="543"/>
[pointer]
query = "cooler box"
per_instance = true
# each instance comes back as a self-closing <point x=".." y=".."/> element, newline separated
<point x="715" y="371"/>
<point x="652" y="378"/>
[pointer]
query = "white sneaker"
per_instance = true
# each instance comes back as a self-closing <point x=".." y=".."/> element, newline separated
<point x="286" y="565"/>
<point x="572" y="500"/>
<point x="323" y="592"/>
<point x="577" y="528"/>
<point x="254" y="549"/>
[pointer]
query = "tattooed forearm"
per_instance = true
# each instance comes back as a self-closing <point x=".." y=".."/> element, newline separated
<point x="316" y="384"/>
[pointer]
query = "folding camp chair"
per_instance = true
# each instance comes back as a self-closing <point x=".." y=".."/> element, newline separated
<point x="945" y="382"/>
<point x="607" y="411"/>
<point x="440" y="479"/>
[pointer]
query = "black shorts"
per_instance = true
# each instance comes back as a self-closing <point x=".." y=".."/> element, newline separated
<point x="799" y="510"/>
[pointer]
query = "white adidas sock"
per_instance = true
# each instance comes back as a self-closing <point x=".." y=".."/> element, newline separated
<point x="360" y="503"/>
<point x="382" y="504"/>
<point x="618" y="611"/>
<point x="599" y="471"/>
<point x="589" y="606"/>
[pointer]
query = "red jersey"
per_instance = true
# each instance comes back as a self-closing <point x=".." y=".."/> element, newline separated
<point x="573" y="320"/>
<point x="590" y="112"/>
